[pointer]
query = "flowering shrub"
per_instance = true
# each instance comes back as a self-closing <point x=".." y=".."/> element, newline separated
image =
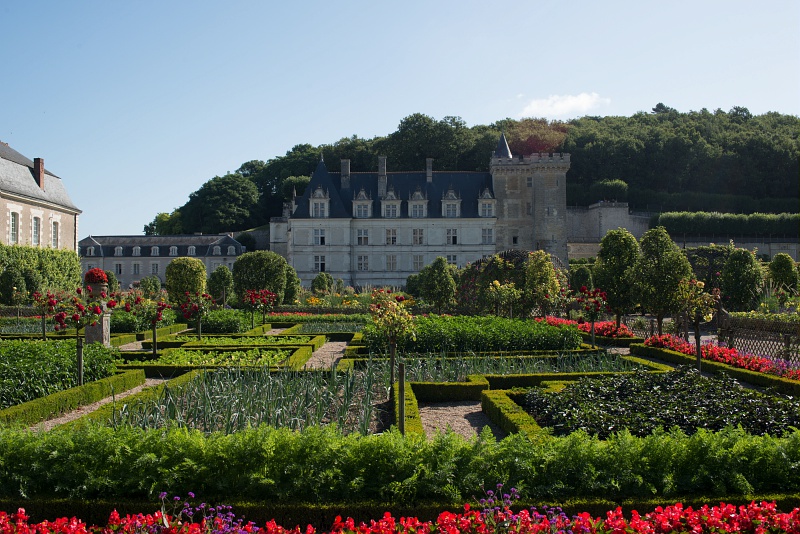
<point x="207" y="519"/>
<point x="77" y="311"/>
<point x="719" y="353"/>
<point x="601" y="328"/>
<point x="95" y="276"/>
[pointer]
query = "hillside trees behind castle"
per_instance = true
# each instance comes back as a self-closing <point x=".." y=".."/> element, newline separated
<point x="670" y="161"/>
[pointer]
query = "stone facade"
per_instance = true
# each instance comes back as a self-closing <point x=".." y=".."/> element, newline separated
<point x="35" y="209"/>
<point x="377" y="228"/>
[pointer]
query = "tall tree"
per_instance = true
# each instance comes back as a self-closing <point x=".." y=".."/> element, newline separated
<point x="165" y="224"/>
<point x="658" y="273"/>
<point x="437" y="284"/>
<point x="221" y="204"/>
<point x="619" y="251"/>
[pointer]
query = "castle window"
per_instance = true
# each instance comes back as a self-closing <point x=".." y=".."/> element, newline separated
<point x="362" y="263"/>
<point x="154" y="268"/>
<point x="417" y="210"/>
<point x="173" y="251"/>
<point x="319" y="236"/>
<point x="418" y="236"/>
<point x="450" y="209"/>
<point x="487" y="236"/>
<point x="231" y="250"/>
<point x="90" y="251"/>
<point x="54" y="234"/>
<point x="362" y="237"/>
<point x="487" y="209"/>
<point x="319" y="264"/>
<point x="452" y="259"/>
<point x="529" y="209"/>
<point x="117" y="251"/>
<point x="319" y="203"/>
<point x="217" y="251"/>
<point x="515" y="240"/>
<point x="452" y="236"/>
<point x="530" y="181"/>
<point x="13" y="234"/>
<point x="154" y="251"/>
<point x="319" y="211"/>
<point x="136" y="268"/>
<point x="418" y="262"/>
<point x="137" y="251"/>
<point x="362" y="211"/>
<point x="117" y="269"/>
<point x="391" y="262"/>
<point x="391" y="211"/>
<point x="36" y="230"/>
<point x="391" y="236"/>
<point x="191" y="251"/>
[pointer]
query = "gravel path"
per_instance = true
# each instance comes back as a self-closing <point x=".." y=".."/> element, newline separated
<point x="83" y="410"/>
<point x="462" y="417"/>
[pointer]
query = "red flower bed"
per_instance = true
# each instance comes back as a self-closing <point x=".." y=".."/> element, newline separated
<point x="755" y="517"/>
<point x="601" y="328"/>
<point x="716" y="353"/>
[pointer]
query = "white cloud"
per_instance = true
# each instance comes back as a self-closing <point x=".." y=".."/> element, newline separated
<point x="564" y="106"/>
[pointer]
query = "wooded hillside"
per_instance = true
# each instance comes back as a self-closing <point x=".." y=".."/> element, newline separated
<point x="663" y="160"/>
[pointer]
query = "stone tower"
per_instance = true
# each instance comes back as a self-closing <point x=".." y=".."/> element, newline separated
<point x="531" y="193"/>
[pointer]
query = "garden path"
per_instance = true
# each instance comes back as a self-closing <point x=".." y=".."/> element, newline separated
<point x="83" y="410"/>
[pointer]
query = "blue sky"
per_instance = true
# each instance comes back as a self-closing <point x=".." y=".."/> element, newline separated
<point x="137" y="104"/>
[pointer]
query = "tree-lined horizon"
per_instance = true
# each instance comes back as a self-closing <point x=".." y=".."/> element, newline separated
<point x="664" y="160"/>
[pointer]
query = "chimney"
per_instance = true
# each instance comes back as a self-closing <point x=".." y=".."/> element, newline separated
<point x="345" y="174"/>
<point x="429" y="169"/>
<point x="381" y="176"/>
<point x="38" y="172"/>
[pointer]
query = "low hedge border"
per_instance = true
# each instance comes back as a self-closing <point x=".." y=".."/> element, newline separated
<point x="503" y="411"/>
<point x="451" y="391"/>
<point x="56" y="404"/>
<point x="164" y="331"/>
<point x="413" y="419"/>
<point x="296" y="360"/>
<point x="784" y="385"/>
<point x="106" y="411"/>
<point x="610" y="341"/>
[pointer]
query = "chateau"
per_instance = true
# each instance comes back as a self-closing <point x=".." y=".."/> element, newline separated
<point x="377" y="228"/>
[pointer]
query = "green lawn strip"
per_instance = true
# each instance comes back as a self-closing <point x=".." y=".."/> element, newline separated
<point x="784" y="385"/>
<point x="57" y="404"/>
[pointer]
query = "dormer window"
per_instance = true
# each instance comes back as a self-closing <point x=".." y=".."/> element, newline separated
<point x="451" y="204"/>
<point x="391" y="205"/>
<point x="192" y="251"/>
<point x="154" y="251"/>
<point x="90" y="251"/>
<point x="231" y="250"/>
<point x="117" y="251"/>
<point x="362" y="205"/>
<point x="486" y="204"/>
<point x="320" y="203"/>
<point x="137" y="251"/>
<point x="217" y="251"/>
<point x="173" y="251"/>
<point x="418" y="205"/>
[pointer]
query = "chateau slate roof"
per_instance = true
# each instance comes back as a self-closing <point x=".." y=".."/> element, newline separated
<point x="467" y="186"/>
<point x="105" y="245"/>
<point x="16" y="177"/>
<point x="502" y="150"/>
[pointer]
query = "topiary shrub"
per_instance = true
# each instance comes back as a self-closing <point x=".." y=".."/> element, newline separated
<point x="225" y="322"/>
<point x="741" y="280"/>
<point x="185" y="275"/>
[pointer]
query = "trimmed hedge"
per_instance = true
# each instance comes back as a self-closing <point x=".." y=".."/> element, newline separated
<point x="57" y="404"/>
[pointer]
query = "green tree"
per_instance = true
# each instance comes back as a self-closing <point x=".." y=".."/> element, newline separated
<point x="581" y="276"/>
<point x="322" y="283"/>
<point x="185" y="275"/>
<point x="437" y="284"/>
<point x="12" y="285"/>
<point x="292" y="291"/>
<point x="113" y="283"/>
<point x="220" y="284"/>
<point x="541" y="281"/>
<point x="658" y="273"/>
<point x="150" y="286"/>
<point x="294" y="185"/>
<point x="619" y="251"/>
<point x="223" y="203"/>
<point x="783" y="271"/>
<point x="165" y="224"/>
<point x="261" y="269"/>
<point x="741" y="280"/>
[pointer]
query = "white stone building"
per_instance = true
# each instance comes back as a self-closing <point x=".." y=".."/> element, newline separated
<point x="36" y="209"/>
<point x="133" y="257"/>
<point x="375" y="229"/>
